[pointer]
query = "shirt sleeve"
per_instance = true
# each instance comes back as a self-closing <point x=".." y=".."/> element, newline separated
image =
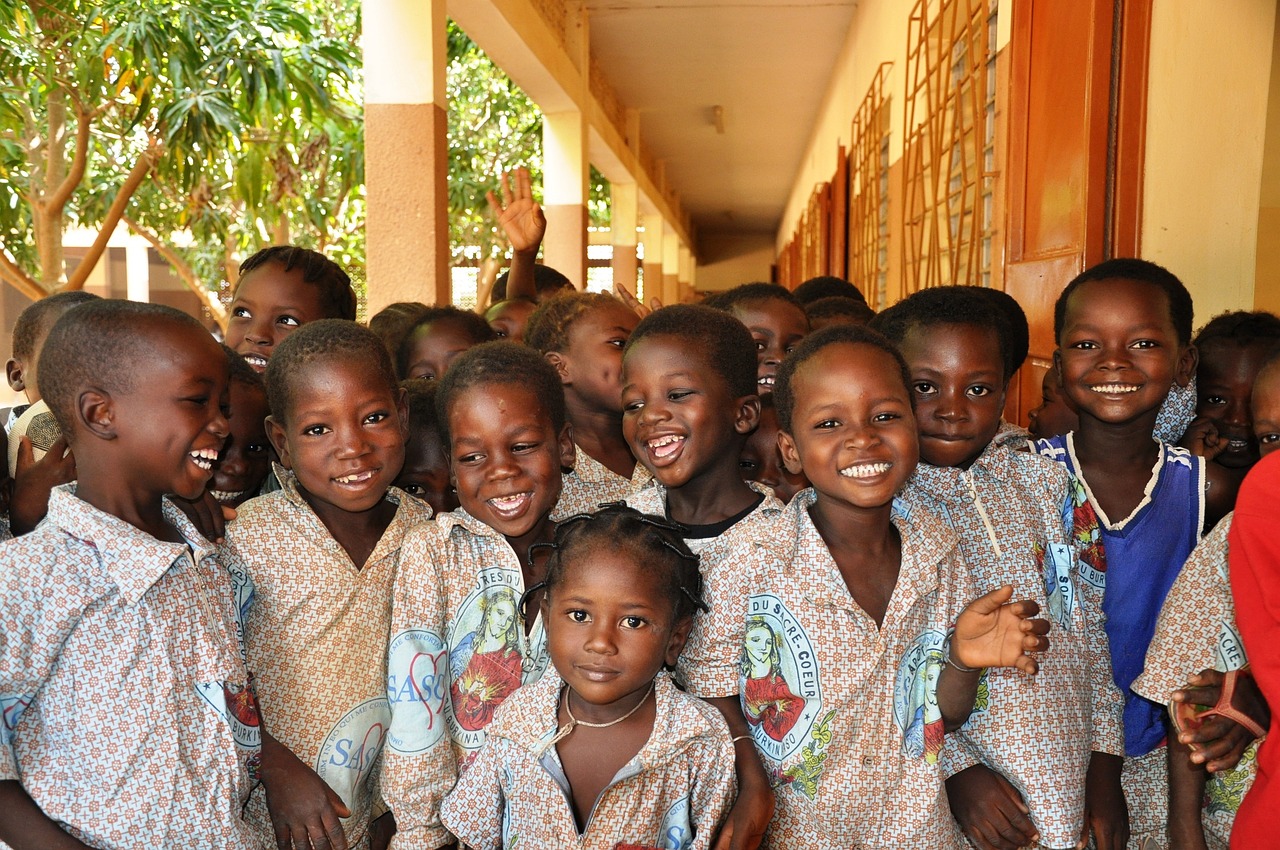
<point x="959" y="754"/>
<point x="41" y="603"/>
<point x="1085" y="533"/>
<point x="710" y="665"/>
<point x="473" y="809"/>
<point x="418" y="764"/>
<point x="715" y="788"/>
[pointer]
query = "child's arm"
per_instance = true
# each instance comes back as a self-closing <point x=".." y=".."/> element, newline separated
<point x="712" y="795"/>
<point x="1219" y="495"/>
<point x="34" y="479"/>
<point x="473" y="811"/>
<point x="23" y="825"/>
<point x="1106" y="814"/>
<point x="418" y="763"/>
<point x="1219" y="742"/>
<point x="990" y="632"/>
<point x="305" y="811"/>
<point x="744" y="827"/>
<point x="522" y="220"/>
<point x="1186" y="796"/>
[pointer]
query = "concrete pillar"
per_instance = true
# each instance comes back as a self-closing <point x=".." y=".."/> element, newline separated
<point x="652" y="240"/>
<point x="685" y="274"/>
<point x="137" y="271"/>
<point x="623" y="212"/>
<point x="406" y="152"/>
<point x="670" y="267"/>
<point x="565" y="173"/>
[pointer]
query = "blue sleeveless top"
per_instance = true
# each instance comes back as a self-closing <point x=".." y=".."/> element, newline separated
<point x="1145" y="552"/>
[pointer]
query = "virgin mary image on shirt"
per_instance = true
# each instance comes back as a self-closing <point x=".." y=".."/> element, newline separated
<point x="768" y="699"/>
<point x="485" y="665"/>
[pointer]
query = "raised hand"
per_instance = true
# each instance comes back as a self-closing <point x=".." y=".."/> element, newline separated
<point x="519" y="215"/>
<point x="994" y="632"/>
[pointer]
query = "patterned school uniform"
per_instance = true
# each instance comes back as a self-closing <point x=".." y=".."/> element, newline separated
<point x="712" y="551"/>
<point x="458" y="649"/>
<point x="590" y="484"/>
<point x="1024" y="520"/>
<point x="858" y="764"/>
<point x="1145" y="553"/>
<point x="316" y="635"/>
<point x="673" y="794"/>
<point x="127" y="711"/>
<point x="1197" y="631"/>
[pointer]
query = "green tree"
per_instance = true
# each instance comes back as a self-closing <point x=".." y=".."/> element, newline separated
<point x="153" y="110"/>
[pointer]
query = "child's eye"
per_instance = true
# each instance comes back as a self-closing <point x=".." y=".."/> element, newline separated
<point x="414" y="489"/>
<point x="743" y="463"/>
<point x="256" y="449"/>
<point x="315" y="430"/>
<point x="923" y="388"/>
<point x="677" y="395"/>
<point x="1145" y="343"/>
<point x="1084" y="345"/>
<point x="885" y="417"/>
<point x="577" y="615"/>
<point x="1268" y="439"/>
<point x="760" y="345"/>
<point x="424" y="374"/>
<point x="473" y="457"/>
<point x="289" y="321"/>
<point x="634" y="622"/>
<point x="827" y="425"/>
<point x="1215" y="400"/>
<point x="979" y="391"/>
<point x="523" y="448"/>
<point x="375" y="418"/>
<point x="239" y="313"/>
<point x="619" y="343"/>
<point x="632" y="406"/>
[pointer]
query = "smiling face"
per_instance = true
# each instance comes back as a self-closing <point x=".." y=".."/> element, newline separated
<point x="246" y="457"/>
<point x="852" y="430"/>
<point x="591" y="364"/>
<point x="425" y="474"/>
<point x="434" y="346"/>
<point x="761" y="459"/>
<point x="957" y="375"/>
<point x="506" y="457"/>
<point x="678" y="416"/>
<point x="1224" y="385"/>
<point x="1118" y="353"/>
<point x="270" y="303"/>
<point x="611" y="627"/>
<point x="776" y="326"/>
<point x="170" y="426"/>
<point x="343" y="436"/>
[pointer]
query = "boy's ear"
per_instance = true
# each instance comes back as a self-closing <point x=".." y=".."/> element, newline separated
<point x="1186" y="368"/>
<point x="13" y="369"/>
<point x="675" y="644"/>
<point x="558" y="363"/>
<point x="568" y="451"/>
<point x="790" y="456"/>
<point x="275" y="433"/>
<point x="1057" y="366"/>
<point x="748" y="414"/>
<point x="96" y="409"/>
<point x="402" y="410"/>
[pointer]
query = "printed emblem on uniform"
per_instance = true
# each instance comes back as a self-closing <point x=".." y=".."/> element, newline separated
<point x="350" y="752"/>
<point x="676" y="831"/>
<point x="417" y="681"/>
<point x="486" y="662"/>
<point x="782" y="694"/>
<point x="238" y="706"/>
<point x="915" y="696"/>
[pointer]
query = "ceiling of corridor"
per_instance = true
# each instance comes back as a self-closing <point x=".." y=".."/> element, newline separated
<point x="766" y="63"/>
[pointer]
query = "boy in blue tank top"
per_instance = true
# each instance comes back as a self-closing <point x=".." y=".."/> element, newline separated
<point x="1123" y="330"/>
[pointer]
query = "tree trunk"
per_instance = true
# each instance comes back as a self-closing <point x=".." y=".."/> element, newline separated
<point x="207" y="297"/>
<point x="47" y="218"/>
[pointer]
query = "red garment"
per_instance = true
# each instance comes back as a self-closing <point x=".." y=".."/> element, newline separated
<point x="772" y="706"/>
<point x="1254" y="551"/>
<point x="489" y="679"/>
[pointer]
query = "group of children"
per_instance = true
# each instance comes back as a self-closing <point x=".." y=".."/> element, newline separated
<point x="558" y="575"/>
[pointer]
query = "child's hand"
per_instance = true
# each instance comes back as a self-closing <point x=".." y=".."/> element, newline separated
<point x="748" y="819"/>
<point x="207" y="514"/>
<point x="629" y="298"/>
<point x="1106" y="815"/>
<point x="1218" y="742"/>
<point x="519" y="214"/>
<point x="993" y="632"/>
<point x="990" y="810"/>
<point x="34" y="479"/>
<point x="304" y="810"/>
<point x="1202" y="438"/>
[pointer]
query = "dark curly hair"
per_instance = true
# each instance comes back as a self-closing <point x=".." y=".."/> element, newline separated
<point x="724" y="342"/>
<point x="337" y="298"/>
<point x="548" y="326"/>
<point x="949" y="305"/>
<point x="501" y="362"/>
<point x="471" y="324"/>
<point x="325" y="340"/>
<point x="1181" y="309"/>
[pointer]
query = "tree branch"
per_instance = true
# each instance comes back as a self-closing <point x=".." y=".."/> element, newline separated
<point x="12" y="274"/>
<point x="137" y="174"/>
<point x="183" y="269"/>
<point x="78" y="160"/>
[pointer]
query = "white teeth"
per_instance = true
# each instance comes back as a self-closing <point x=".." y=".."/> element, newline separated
<point x="766" y="381"/>
<point x="665" y="446"/>
<point x="1115" y="389"/>
<point x="255" y="360"/>
<point x="865" y="470"/>
<point x="355" y="477"/>
<point x="227" y="495"/>
<point x="204" y="458"/>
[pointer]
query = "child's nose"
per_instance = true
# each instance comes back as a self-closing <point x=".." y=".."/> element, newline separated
<point x="600" y="640"/>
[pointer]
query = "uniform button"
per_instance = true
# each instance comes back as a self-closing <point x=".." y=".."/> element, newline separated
<point x="868" y="761"/>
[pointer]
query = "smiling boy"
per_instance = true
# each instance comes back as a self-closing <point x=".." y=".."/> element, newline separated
<point x="159" y="744"/>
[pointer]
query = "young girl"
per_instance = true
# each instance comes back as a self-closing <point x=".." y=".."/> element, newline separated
<point x="604" y="751"/>
<point x="438" y="336"/>
<point x="1196" y="649"/>
<point x="860" y="599"/>
<point x="582" y="335"/>
<point x="775" y="318"/>
<point x="1023" y="520"/>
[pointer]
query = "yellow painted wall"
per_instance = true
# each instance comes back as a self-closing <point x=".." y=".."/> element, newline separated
<point x="1206" y="121"/>
<point x="1266" y="286"/>
<point x="727" y="260"/>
